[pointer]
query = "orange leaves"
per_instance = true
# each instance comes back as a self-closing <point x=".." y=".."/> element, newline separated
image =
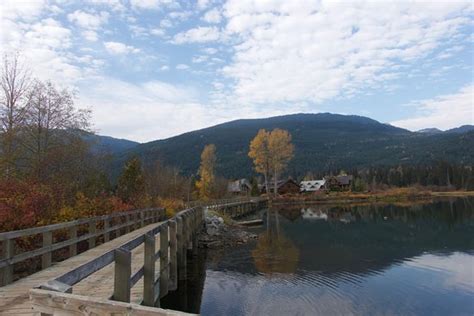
<point x="25" y="204"/>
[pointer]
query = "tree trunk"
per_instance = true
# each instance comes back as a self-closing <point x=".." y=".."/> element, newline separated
<point x="275" y="178"/>
<point x="266" y="183"/>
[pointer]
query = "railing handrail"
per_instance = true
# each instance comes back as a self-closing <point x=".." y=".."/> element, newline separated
<point x="132" y="219"/>
<point x="57" y="226"/>
<point x="225" y="201"/>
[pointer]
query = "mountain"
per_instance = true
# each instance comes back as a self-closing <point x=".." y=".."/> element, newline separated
<point x="430" y="131"/>
<point x="323" y="142"/>
<point x="107" y="144"/>
<point x="458" y="130"/>
<point x="461" y="129"/>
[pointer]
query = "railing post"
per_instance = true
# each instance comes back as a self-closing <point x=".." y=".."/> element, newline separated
<point x="47" y="241"/>
<point x="142" y="218"/>
<point x="189" y="244"/>
<point x="72" y="236"/>
<point x="8" y="249"/>
<point x="164" y="268"/>
<point x="181" y="256"/>
<point x="149" y="270"/>
<point x="173" y="256"/>
<point x="194" y="232"/>
<point x="123" y="270"/>
<point x="92" y="231"/>
<point x="127" y="224"/>
<point x="106" y="228"/>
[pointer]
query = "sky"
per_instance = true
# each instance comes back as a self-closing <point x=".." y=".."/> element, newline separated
<point x="151" y="69"/>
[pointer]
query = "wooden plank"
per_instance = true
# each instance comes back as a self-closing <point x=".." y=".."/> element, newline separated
<point x="181" y="255"/>
<point x="6" y="273"/>
<point x="73" y="236"/>
<point x="41" y="229"/>
<point x="123" y="269"/>
<point x="149" y="271"/>
<point x="70" y="304"/>
<point x="106" y="230"/>
<point x="92" y="232"/>
<point x="173" y="276"/>
<point x="164" y="268"/>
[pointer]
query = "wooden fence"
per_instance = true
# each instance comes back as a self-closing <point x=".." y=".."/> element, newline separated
<point x="92" y="228"/>
<point x="176" y="236"/>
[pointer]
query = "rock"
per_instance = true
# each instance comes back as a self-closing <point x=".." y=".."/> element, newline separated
<point x="219" y="235"/>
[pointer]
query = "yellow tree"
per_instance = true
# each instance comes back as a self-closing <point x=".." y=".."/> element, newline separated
<point x="260" y="154"/>
<point x="206" y="172"/>
<point x="280" y="151"/>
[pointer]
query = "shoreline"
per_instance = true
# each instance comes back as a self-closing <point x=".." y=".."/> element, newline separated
<point x="381" y="197"/>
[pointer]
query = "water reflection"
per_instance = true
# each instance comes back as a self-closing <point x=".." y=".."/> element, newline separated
<point x="371" y="259"/>
<point x="274" y="252"/>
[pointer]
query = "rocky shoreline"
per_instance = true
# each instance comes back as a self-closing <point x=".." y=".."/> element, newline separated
<point x="217" y="234"/>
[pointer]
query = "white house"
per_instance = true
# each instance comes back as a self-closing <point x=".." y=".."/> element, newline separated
<point x="312" y="186"/>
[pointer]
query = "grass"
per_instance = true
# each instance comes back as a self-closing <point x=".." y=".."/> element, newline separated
<point x="391" y="195"/>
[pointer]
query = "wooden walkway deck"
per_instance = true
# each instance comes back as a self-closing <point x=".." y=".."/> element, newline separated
<point x="14" y="298"/>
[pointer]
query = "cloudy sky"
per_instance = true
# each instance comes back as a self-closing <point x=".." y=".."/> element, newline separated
<point x="151" y="69"/>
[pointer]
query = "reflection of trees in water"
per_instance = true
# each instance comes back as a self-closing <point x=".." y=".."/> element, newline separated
<point x="274" y="252"/>
<point x="449" y="211"/>
<point x="369" y="238"/>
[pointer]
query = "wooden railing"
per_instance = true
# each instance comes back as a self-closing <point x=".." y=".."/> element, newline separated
<point x="223" y="202"/>
<point x="176" y="236"/>
<point x="95" y="227"/>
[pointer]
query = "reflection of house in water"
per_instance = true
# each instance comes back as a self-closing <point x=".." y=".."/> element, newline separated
<point x="310" y="213"/>
<point x="347" y="218"/>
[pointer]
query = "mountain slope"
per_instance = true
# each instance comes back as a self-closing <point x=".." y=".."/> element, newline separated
<point x="323" y="142"/>
<point x="107" y="144"/>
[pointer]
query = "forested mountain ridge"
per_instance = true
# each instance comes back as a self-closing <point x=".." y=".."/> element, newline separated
<point x="323" y="142"/>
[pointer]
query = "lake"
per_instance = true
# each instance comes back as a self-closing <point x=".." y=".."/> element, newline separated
<point x="414" y="259"/>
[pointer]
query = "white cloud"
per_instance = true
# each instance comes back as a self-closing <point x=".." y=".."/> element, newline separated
<point x="117" y="48"/>
<point x="210" y="50"/>
<point x="165" y="23"/>
<point x="164" y="68"/>
<point x="26" y="10"/>
<point x="182" y="67"/>
<point x="88" y="20"/>
<point x="155" y="110"/>
<point x="290" y="51"/>
<point x="158" y="32"/>
<point x="89" y="23"/>
<point x="212" y="16"/>
<point x="115" y="5"/>
<point x="199" y="59"/>
<point x="150" y="4"/>
<point x="203" y="4"/>
<point x="200" y="34"/>
<point x="444" y="112"/>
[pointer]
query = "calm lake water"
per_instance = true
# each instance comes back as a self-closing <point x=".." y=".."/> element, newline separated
<point x="364" y="260"/>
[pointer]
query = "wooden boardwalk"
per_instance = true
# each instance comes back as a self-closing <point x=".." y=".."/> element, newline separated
<point x="14" y="298"/>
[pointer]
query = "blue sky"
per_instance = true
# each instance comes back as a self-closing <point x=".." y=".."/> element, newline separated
<point x="151" y="69"/>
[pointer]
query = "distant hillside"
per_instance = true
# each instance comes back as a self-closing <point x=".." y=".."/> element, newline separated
<point x="461" y="129"/>
<point x="107" y="144"/>
<point x="430" y="131"/>
<point x="322" y="142"/>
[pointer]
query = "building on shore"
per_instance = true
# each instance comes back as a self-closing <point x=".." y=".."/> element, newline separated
<point x="338" y="183"/>
<point x="312" y="186"/>
<point x="283" y="187"/>
<point x="239" y="187"/>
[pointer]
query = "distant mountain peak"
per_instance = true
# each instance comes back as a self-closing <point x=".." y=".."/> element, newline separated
<point x="430" y="131"/>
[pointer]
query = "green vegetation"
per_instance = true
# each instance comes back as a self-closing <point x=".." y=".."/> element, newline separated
<point x="324" y="144"/>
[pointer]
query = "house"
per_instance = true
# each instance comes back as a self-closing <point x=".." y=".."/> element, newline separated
<point x="312" y="185"/>
<point x="241" y="186"/>
<point x="283" y="187"/>
<point x="338" y="183"/>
